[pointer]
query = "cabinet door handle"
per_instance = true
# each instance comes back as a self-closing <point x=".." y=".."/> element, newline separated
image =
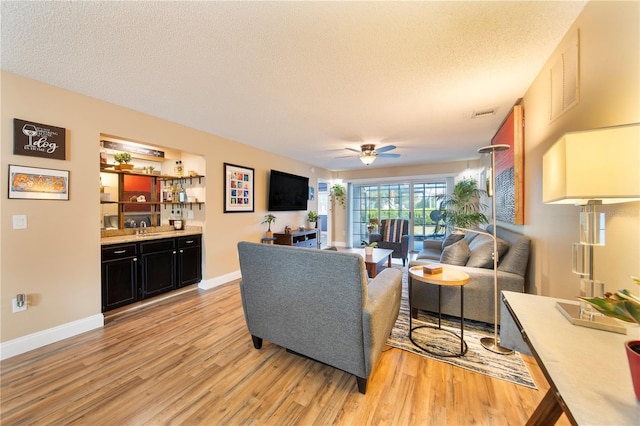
<point x="119" y="251"/>
<point x="174" y="252"/>
<point x="135" y="259"/>
<point x="181" y="251"/>
<point x="189" y="242"/>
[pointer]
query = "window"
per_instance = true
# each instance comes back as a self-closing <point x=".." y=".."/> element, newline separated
<point x="391" y="201"/>
<point x="427" y="198"/>
<point x="414" y="202"/>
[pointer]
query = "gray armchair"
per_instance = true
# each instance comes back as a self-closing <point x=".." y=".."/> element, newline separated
<point x="394" y="235"/>
<point x="320" y="304"/>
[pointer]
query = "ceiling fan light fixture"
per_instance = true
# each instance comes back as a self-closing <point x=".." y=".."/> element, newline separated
<point x="367" y="158"/>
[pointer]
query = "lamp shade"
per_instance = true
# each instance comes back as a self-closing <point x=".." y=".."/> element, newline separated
<point x="601" y="164"/>
<point x="367" y="158"/>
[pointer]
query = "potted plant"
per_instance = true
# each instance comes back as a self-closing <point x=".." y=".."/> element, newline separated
<point x="463" y="208"/>
<point x="338" y="194"/>
<point x="269" y="219"/>
<point x="626" y="307"/>
<point x="373" y="223"/>
<point x="312" y="217"/>
<point x="123" y="158"/>
<point x="368" y="247"/>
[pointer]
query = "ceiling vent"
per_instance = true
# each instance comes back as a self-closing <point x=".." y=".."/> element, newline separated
<point x="484" y="113"/>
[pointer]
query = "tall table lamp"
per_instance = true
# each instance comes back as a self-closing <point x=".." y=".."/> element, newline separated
<point x="588" y="169"/>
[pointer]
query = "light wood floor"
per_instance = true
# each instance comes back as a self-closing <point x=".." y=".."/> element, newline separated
<point x="190" y="360"/>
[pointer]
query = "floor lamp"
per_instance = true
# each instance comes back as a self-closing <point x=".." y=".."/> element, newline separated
<point x="493" y="343"/>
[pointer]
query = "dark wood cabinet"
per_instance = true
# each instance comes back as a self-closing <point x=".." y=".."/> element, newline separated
<point x="119" y="276"/>
<point x="189" y="260"/>
<point x="136" y="271"/>
<point x="307" y="239"/>
<point x="157" y="267"/>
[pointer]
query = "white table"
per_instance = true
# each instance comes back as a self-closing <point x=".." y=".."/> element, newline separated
<point x="587" y="369"/>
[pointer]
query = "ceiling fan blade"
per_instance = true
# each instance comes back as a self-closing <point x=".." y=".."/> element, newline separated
<point x="385" y="148"/>
<point x="345" y="156"/>
<point x="389" y="155"/>
<point x="354" y="150"/>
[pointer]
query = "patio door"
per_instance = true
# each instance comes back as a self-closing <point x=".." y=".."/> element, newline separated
<point x="427" y="199"/>
<point x="389" y="201"/>
<point x="412" y="201"/>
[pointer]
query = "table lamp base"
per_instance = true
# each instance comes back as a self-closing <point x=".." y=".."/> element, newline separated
<point x="572" y="313"/>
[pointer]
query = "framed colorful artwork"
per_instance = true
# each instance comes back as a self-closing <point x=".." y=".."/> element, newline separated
<point x="31" y="183"/>
<point x="238" y="189"/>
<point x="509" y="168"/>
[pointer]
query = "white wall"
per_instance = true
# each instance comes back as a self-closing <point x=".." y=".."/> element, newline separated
<point x="56" y="260"/>
<point x="609" y="77"/>
<point x="609" y="95"/>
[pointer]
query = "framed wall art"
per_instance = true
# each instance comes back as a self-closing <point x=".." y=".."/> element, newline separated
<point x="509" y="169"/>
<point x="238" y="189"/>
<point x="38" y="140"/>
<point x="33" y="183"/>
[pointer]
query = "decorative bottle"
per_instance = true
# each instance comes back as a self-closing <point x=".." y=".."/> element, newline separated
<point x="167" y="193"/>
<point x="178" y="169"/>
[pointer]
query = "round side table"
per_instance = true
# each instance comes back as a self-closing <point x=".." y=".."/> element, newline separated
<point x="448" y="277"/>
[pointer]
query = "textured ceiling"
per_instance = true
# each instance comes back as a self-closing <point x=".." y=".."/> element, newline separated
<point x="302" y="79"/>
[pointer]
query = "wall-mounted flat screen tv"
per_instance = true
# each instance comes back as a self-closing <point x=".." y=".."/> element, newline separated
<point x="287" y="192"/>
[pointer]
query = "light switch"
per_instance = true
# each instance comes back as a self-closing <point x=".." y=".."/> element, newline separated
<point x="19" y="221"/>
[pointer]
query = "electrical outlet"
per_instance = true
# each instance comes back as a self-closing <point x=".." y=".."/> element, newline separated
<point x="16" y="308"/>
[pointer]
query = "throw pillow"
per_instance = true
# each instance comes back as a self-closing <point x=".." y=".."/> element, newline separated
<point x="482" y="249"/>
<point x="393" y="230"/>
<point x="469" y="236"/>
<point x="456" y="253"/>
<point x="451" y="239"/>
<point x="477" y="241"/>
<point x="516" y="259"/>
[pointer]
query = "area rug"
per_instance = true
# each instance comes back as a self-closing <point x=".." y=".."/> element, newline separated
<point x="510" y="368"/>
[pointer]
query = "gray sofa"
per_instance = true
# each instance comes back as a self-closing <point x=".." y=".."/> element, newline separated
<point x="479" y="293"/>
<point x="319" y="303"/>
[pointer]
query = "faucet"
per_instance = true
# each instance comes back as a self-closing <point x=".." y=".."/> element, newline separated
<point x="143" y="224"/>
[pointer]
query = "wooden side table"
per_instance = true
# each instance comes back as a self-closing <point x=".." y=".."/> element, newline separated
<point x="372" y="261"/>
<point x="448" y="277"/>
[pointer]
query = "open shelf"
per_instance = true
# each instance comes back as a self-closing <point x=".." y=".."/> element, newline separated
<point x="150" y="175"/>
<point x="154" y="202"/>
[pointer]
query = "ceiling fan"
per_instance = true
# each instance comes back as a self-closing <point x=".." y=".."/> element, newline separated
<point x="368" y="152"/>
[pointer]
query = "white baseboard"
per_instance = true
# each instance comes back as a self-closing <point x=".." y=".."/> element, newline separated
<point x="218" y="281"/>
<point x="36" y="340"/>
